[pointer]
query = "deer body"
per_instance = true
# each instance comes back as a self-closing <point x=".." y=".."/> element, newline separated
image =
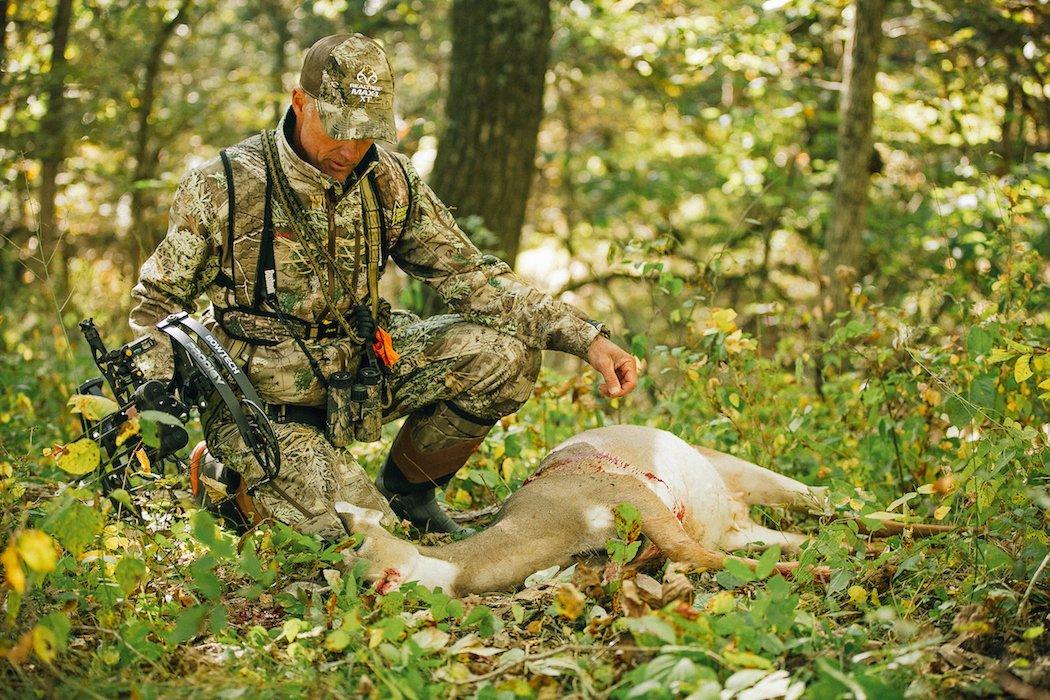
<point x="693" y="503"/>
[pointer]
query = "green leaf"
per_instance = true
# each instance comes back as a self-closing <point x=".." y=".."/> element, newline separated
<point x="59" y="625"/>
<point x="249" y="561"/>
<point x="188" y="624"/>
<point x="650" y="626"/>
<point x="208" y="533"/>
<point x="982" y="391"/>
<point x="979" y="341"/>
<point x="74" y="525"/>
<point x="204" y="578"/>
<point x="217" y="619"/>
<point x="767" y="562"/>
<point x="129" y="572"/>
<point x="740" y="570"/>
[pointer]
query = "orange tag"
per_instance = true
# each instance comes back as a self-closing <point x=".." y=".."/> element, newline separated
<point x="384" y="348"/>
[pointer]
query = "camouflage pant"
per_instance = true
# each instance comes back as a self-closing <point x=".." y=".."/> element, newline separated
<point x="484" y="373"/>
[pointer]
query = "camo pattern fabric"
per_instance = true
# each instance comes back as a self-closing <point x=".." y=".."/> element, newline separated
<point x="425" y="242"/>
<point x="444" y="358"/>
<point x="356" y="99"/>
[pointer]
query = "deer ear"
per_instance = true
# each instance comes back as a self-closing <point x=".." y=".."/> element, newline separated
<point x="359" y="517"/>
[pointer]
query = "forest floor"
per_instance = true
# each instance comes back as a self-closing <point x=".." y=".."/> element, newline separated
<point x="97" y="605"/>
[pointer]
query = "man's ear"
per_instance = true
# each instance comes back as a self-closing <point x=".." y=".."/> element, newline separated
<point x="299" y="99"/>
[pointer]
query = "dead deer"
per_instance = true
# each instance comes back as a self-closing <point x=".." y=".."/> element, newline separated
<point x="694" y="505"/>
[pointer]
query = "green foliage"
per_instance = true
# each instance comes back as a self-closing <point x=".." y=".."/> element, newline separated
<point x="686" y="168"/>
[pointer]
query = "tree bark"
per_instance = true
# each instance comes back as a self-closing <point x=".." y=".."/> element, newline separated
<point x="52" y="137"/>
<point x="843" y="245"/>
<point x="145" y="157"/>
<point x="486" y="155"/>
<point x="5" y="7"/>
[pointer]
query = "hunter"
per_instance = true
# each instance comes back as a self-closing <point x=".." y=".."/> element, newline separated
<point x="287" y="234"/>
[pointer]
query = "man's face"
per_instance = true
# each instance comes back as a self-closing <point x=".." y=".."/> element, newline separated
<point x="334" y="158"/>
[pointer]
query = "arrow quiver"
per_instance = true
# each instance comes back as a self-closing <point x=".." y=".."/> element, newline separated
<point x="204" y="373"/>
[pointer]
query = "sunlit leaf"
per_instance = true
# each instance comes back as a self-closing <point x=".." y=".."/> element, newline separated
<point x="80" y="457"/>
<point x="74" y="525"/>
<point x="1023" y="368"/>
<point x="14" y="574"/>
<point x="91" y="406"/>
<point x="38" y="550"/>
<point x="45" y="646"/>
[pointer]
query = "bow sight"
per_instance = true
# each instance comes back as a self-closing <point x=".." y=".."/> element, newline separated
<point x="204" y="373"/>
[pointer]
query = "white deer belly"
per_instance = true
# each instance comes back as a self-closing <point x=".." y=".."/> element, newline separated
<point x="686" y="482"/>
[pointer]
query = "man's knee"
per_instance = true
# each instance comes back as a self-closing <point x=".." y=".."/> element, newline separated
<point x="505" y="370"/>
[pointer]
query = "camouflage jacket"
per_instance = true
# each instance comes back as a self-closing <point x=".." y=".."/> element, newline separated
<point x="425" y="242"/>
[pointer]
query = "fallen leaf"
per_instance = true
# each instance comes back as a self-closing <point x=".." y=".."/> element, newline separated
<point x="17" y="654"/>
<point x="631" y="600"/>
<point x="650" y="590"/>
<point x="568" y="601"/>
<point x="677" y="586"/>
<point x="431" y="638"/>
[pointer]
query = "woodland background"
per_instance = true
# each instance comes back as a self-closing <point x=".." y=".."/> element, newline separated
<point x="821" y="225"/>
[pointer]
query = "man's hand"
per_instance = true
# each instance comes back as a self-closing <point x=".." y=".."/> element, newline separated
<point x="617" y="367"/>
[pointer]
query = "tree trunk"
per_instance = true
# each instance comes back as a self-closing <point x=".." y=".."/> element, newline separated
<point x="5" y="7"/>
<point x="145" y="157"/>
<point x="486" y="154"/>
<point x="280" y="20"/>
<point x="843" y="247"/>
<point x="52" y="137"/>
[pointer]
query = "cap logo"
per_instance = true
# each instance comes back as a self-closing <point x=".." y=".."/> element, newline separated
<point x="364" y="89"/>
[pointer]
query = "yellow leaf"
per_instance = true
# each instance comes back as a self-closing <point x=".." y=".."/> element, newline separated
<point x="45" y="644"/>
<point x="721" y="603"/>
<point x="13" y="573"/>
<point x="692" y="374"/>
<point x="130" y="428"/>
<point x="931" y="396"/>
<point x="92" y="407"/>
<point x="1022" y="368"/>
<point x="569" y="601"/>
<point x="38" y="551"/>
<point x="722" y="319"/>
<point x="375" y="638"/>
<point x="143" y="459"/>
<point x="999" y="355"/>
<point x="291" y="628"/>
<point x="734" y="400"/>
<point x="80" y="457"/>
<point x="941" y="512"/>
<point x="745" y="659"/>
<point x="507" y="469"/>
<point x="857" y="594"/>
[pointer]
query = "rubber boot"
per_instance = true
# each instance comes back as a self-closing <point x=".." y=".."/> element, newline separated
<point x="417" y="503"/>
<point x="430" y="448"/>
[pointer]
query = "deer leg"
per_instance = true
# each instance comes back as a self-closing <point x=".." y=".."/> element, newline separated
<point x="759" y="486"/>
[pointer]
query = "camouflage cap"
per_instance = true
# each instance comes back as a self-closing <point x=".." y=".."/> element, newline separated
<point x="349" y="76"/>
